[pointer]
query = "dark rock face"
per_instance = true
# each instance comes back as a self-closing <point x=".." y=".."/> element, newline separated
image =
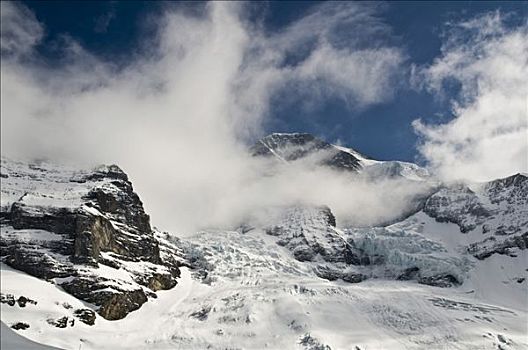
<point x="511" y="189"/>
<point x="65" y="225"/>
<point x="458" y="205"/>
<point x="28" y="258"/>
<point x="117" y="306"/>
<point x="95" y="234"/>
<point x="309" y="232"/>
<point x="409" y="274"/>
<point x="499" y="209"/>
<point x="292" y="147"/>
<point x="57" y="220"/>
<point x="443" y="281"/>
<point x="489" y="246"/>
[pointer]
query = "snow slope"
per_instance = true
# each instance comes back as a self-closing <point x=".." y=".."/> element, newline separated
<point x="284" y="285"/>
<point x="9" y="339"/>
<point x="258" y="296"/>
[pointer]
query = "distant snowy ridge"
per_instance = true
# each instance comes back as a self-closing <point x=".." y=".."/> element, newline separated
<point x="291" y="147"/>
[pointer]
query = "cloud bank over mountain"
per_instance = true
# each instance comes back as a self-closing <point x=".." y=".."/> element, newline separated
<point x="178" y="114"/>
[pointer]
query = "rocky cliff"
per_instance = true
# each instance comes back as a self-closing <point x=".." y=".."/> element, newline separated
<point x="496" y="210"/>
<point x="85" y="231"/>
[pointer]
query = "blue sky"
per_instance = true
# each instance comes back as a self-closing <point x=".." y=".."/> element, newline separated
<point x="383" y="130"/>
<point x="438" y="83"/>
<point x="174" y="93"/>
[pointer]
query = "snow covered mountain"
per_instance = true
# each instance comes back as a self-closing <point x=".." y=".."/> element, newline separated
<point x="85" y="231"/>
<point x="82" y="267"/>
<point x="296" y="146"/>
<point x="291" y="147"/>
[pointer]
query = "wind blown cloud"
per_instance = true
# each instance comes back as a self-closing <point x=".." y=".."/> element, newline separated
<point x="339" y="50"/>
<point x="20" y="29"/>
<point x="488" y="137"/>
<point x="177" y="116"/>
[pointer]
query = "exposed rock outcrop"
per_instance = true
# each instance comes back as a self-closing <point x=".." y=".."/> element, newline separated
<point x="491" y="245"/>
<point x="354" y="255"/>
<point x="86" y="316"/>
<point x="20" y="326"/>
<point x="76" y="228"/>
<point x="457" y="204"/>
<point x="498" y="209"/>
<point x="309" y="232"/>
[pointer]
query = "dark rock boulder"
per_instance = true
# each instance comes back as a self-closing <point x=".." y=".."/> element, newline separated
<point x="353" y="277"/>
<point x="158" y="281"/>
<point x="86" y="316"/>
<point x="62" y="322"/>
<point x="409" y="274"/>
<point x="8" y="299"/>
<point x="22" y="301"/>
<point x="20" y="326"/>
<point x="308" y="342"/>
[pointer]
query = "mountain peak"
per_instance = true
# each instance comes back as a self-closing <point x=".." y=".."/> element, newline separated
<point x="290" y="147"/>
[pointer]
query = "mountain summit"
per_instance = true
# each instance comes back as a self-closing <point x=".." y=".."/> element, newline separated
<point x="297" y="146"/>
<point x="292" y="147"/>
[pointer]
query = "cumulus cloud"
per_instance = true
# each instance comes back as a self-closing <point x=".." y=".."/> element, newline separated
<point x="487" y="61"/>
<point x="178" y="114"/>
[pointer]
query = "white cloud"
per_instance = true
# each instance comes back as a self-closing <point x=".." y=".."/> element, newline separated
<point x="20" y="29"/>
<point x="339" y="49"/>
<point x="175" y="117"/>
<point x="488" y="137"/>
